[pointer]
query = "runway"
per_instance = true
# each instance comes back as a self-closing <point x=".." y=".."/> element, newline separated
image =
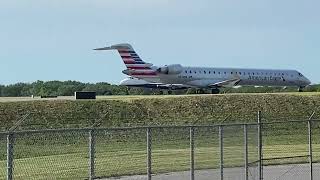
<point x="278" y="172"/>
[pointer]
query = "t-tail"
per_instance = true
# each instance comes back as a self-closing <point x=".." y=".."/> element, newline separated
<point x="136" y="67"/>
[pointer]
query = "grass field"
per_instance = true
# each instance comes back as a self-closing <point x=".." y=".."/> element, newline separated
<point x="135" y="97"/>
<point x="75" y="166"/>
<point x="114" y="111"/>
<point x="65" y="156"/>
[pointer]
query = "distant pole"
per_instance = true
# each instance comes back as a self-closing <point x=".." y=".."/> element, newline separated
<point x="91" y="154"/>
<point x="260" y="164"/>
<point x="191" y="153"/>
<point x="245" y="134"/>
<point x="310" y="145"/>
<point x="10" y="142"/>
<point x="149" y="153"/>
<point x="221" y="150"/>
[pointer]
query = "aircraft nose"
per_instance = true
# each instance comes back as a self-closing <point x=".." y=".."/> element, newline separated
<point x="308" y="81"/>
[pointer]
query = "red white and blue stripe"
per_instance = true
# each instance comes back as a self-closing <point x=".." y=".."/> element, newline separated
<point x="136" y="66"/>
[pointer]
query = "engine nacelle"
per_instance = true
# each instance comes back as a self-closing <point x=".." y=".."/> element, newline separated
<point x="170" y="69"/>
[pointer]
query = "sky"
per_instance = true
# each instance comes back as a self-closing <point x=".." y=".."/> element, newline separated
<point x="53" y="40"/>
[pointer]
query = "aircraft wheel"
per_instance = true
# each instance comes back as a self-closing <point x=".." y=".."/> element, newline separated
<point x="169" y="92"/>
<point x="300" y="89"/>
<point x="215" y="91"/>
<point x="199" y="91"/>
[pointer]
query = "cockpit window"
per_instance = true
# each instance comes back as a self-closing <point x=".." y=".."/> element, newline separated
<point x="300" y="74"/>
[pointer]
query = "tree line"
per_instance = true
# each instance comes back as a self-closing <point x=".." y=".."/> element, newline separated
<point x="67" y="88"/>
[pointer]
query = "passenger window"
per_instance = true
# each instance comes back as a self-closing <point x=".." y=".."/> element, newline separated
<point x="225" y="72"/>
<point x="240" y="73"/>
<point x="204" y="72"/>
<point x="214" y="72"/>
<point x="219" y="72"/>
<point x="190" y="71"/>
<point x="231" y="72"/>
<point x="186" y="71"/>
<point x="209" y="72"/>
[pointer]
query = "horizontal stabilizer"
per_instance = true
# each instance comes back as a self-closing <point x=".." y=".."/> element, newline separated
<point x="104" y="48"/>
<point x="116" y="47"/>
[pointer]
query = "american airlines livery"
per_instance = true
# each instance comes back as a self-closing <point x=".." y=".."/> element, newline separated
<point x="176" y="76"/>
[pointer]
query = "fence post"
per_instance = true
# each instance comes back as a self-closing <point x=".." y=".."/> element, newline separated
<point x="245" y="134"/>
<point x="221" y="150"/>
<point x="310" y="145"/>
<point x="10" y="142"/>
<point x="260" y="164"/>
<point x="92" y="143"/>
<point x="149" y="153"/>
<point x="191" y="153"/>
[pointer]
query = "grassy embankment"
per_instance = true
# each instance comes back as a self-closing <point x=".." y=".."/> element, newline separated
<point x="65" y="156"/>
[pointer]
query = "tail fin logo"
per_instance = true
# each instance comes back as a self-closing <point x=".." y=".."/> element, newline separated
<point x="135" y="65"/>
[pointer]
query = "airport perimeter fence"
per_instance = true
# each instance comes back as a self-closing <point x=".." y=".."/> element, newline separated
<point x="269" y="150"/>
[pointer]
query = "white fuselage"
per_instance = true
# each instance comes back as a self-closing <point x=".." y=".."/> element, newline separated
<point x="202" y="77"/>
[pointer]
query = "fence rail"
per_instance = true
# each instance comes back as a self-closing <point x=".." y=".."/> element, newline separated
<point x="228" y="151"/>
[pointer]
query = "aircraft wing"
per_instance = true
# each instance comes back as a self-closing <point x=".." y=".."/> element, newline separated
<point x="225" y="83"/>
<point x="172" y="86"/>
<point x="134" y="82"/>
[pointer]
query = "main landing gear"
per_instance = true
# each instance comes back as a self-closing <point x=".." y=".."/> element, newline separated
<point x="300" y="89"/>
<point x="199" y="91"/>
<point x="163" y="92"/>
<point x="215" y="91"/>
<point x="202" y="91"/>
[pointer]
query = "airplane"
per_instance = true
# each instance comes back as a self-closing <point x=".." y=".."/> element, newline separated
<point x="176" y="76"/>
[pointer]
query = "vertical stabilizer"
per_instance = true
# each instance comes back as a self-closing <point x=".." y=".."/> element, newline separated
<point x="136" y="67"/>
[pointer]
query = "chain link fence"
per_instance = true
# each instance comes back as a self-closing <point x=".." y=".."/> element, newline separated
<point x="120" y="152"/>
<point x="3" y="158"/>
<point x="206" y="152"/>
<point x="230" y="151"/>
<point x="50" y="155"/>
<point x="315" y="138"/>
<point x="286" y="143"/>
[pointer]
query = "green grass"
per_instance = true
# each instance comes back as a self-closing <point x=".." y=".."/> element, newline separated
<point x="126" y="162"/>
<point x="137" y="97"/>
<point x="114" y="111"/>
<point x="64" y="156"/>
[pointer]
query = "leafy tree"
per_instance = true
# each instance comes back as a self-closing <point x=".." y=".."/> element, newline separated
<point x="67" y="88"/>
